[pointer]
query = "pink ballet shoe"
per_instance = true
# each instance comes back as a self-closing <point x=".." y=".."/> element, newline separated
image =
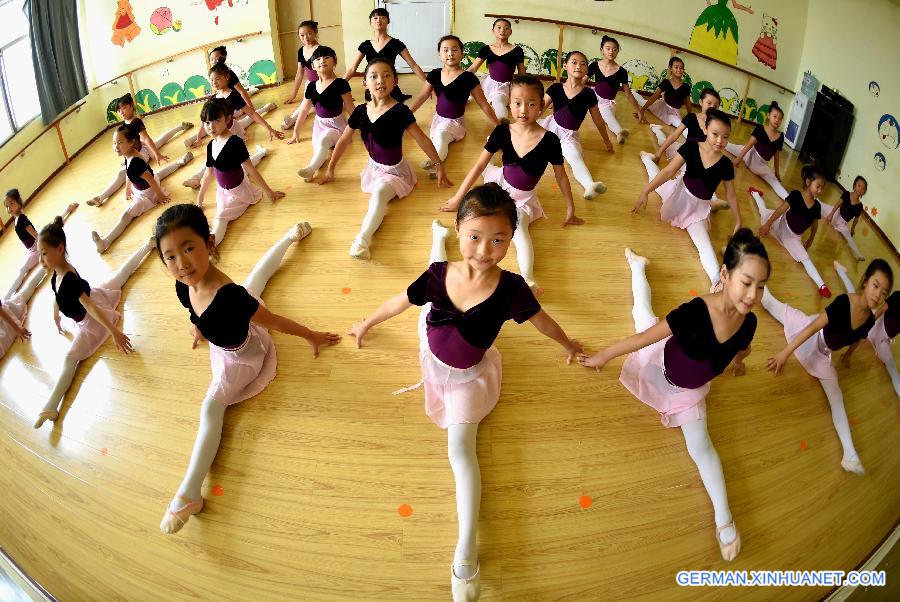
<point x="173" y="521"/>
<point x="751" y="190"/>
<point x="299" y="231"/>
<point x="359" y="249"/>
<point x="186" y="125"/>
<point x="825" y="291"/>
<point x="94" y="202"/>
<point x="466" y="590"/>
<point x="51" y="415"/>
<point x="839" y="266"/>
<point x="632" y="256"/>
<point x="854" y="466"/>
<point x="731" y="549"/>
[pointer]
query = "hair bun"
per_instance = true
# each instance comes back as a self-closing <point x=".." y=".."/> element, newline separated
<point x="57" y="221"/>
<point x="774" y="104"/>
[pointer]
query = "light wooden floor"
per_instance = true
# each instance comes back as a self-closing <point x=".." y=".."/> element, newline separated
<point x="312" y="471"/>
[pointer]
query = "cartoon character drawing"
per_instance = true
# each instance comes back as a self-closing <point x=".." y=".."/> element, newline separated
<point x="641" y="75"/>
<point x="715" y="33"/>
<point x="880" y="162"/>
<point x="124" y="27"/>
<point x="874" y="89"/>
<point x="731" y="102"/>
<point x="161" y="21"/>
<point x="764" y="49"/>
<point x="889" y="131"/>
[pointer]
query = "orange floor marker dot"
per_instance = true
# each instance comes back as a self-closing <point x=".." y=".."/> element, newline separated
<point x="585" y="501"/>
<point x="803" y="445"/>
<point x="853" y="421"/>
<point x="693" y="292"/>
<point x="404" y="510"/>
<point x="789" y="295"/>
<point x="104" y="451"/>
<point x="865" y="231"/>
<point x="346" y="290"/>
<point x="218" y="490"/>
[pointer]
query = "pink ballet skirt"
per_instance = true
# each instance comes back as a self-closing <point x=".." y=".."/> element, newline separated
<point x="783" y="233"/>
<point x="453" y="395"/>
<point x="757" y="164"/>
<point x="455" y="127"/>
<point x="400" y="177"/>
<point x="568" y="139"/>
<point x="603" y="103"/>
<point x="236" y="128"/>
<point x="142" y="201"/>
<point x="837" y="222"/>
<point x="494" y="89"/>
<point x="814" y="355"/>
<point x="32" y="256"/>
<point x="526" y="200"/>
<point x="89" y="333"/>
<point x="644" y="375"/>
<point x="239" y="374"/>
<point x="144" y="154"/>
<point x="323" y="125"/>
<point x="879" y="339"/>
<point x="18" y="310"/>
<point x="231" y="203"/>
<point x="681" y="208"/>
<point x="665" y="112"/>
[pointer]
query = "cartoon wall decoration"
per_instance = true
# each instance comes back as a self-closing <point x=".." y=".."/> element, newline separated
<point x="641" y="75"/>
<point x="889" y="131"/>
<point x="880" y="161"/>
<point x="213" y="6"/>
<point x="715" y="33"/>
<point x="172" y="93"/>
<point x="161" y="21"/>
<point x="764" y="49"/>
<point x="874" y="89"/>
<point x="124" y="27"/>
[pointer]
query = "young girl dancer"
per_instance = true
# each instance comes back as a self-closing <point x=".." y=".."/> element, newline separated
<point x="609" y="77"/>
<point x="671" y="362"/>
<point x="308" y="32"/>
<point x="887" y="325"/>
<point x="218" y="75"/>
<point x="461" y="369"/>
<point x="668" y="98"/>
<point x="452" y="86"/>
<point x="381" y="123"/>
<point x="761" y="147"/>
<point x="218" y="55"/>
<point x="503" y="61"/>
<point x="388" y="49"/>
<point x="142" y="187"/>
<point x="849" y="210"/>
<point x="813" y="338"/>
<point x="692" y="127"/>
<point x="329" y="96"/>
<point x="800" y="211"/>
<point x="571" y="102"/>
<point x="148" y="148"/>
<point x="236" y="323"/>
<point x="520" y="173"/>
<point x="27" y="234"/>
<point x="686" y="199"/>
<point x="14" y="307"/>
<point x="92" y="310"/>
<point x="228" y="161"/>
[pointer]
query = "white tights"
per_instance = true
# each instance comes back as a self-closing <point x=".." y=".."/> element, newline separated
<point x="697" y="231"/>
<point x="321" y="148"/>
<point x="220" y="226"/>
<point x="580" y="169"/>
<point x="695" y="433"/>
<point x="378" y="206"/>
<point x="830" y="385"/>
<point x="461" y="444"/>
<point x="212" y="412"/>
<point x="441" y="140"/>
<point x="888" y="361"/>
<point x="70" y="362"/>
<point x="609" y="116"/>
<point x="524" y="247"/>
<point x="499" y="103"/>
<point x="807" y="263"/>
<point x="119" y="179"/>
<point x="763" y="172"/>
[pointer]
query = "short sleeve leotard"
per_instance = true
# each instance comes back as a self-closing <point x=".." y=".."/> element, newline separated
<point x="383" y="138"/>
<point x="329" y="103"/>
<point x="675" y="98"/>
<point x="570" y="112"/>
<point x="699" y="180"/>
<point x="452" y="98"/>
<point x="227" y="166"/>
<point x="693" y="355"/>
<point x="525" y="172"/>
<point x="226" y="321"/>
<point x="22" y="223"/>
<point x="799" y="217"/>
<point x="502" y="67"/>
<point x="607" y="87"/>
<point x="765" y="146"/>
<point x="68" y="295"/>
<point x="461" y="338"/>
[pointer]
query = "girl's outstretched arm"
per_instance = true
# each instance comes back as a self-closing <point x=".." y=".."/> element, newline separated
<point x="548" y="327"/>
<point x="392" y="307"/>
